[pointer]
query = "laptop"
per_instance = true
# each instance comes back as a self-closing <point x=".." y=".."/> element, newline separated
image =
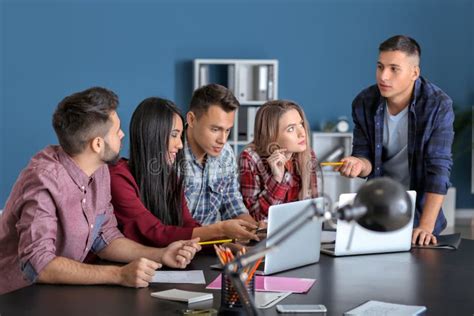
<point x="365" y="241"/>
<point x="302" y="247"/>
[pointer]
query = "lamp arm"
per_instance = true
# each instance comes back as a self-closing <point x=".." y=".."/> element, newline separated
<point x="281" y="234"/>
<point x="234" y="268"/>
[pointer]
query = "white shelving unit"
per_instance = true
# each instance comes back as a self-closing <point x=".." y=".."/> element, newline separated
<point x="332" y="147"/>
<point x="253" y="82"/>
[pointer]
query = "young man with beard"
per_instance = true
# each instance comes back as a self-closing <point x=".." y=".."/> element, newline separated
<point x="59" y="208"/>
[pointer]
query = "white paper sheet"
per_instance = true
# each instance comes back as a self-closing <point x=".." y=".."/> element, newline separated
<point x="192" y="276"/>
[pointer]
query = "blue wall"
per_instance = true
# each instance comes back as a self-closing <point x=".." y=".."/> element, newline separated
<point x="327" y="51"/>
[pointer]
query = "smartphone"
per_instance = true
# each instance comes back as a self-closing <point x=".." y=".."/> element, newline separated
<point x="300" y="308"/>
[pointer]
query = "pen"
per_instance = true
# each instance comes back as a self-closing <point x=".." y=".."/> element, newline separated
<point x="328" y="163"/>
<point x="261" y="230"/>
<point x="212" y="242"/>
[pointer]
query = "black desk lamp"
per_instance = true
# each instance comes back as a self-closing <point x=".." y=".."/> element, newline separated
<point x="381" y="205"/>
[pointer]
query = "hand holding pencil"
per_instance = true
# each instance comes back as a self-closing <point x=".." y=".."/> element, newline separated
<point x="332" y="164"/>
<point x="353" y="167"/>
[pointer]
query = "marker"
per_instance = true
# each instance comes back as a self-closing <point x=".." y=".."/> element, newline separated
<point x="212" y="242"/>
<point x="334" y="164"/>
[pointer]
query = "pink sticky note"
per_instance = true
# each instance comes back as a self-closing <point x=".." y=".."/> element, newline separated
<point x="273" y="284"/>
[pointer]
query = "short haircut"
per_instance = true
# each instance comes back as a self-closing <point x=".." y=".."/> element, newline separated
<point x="213" y="94"/>
<point x="83" y="116"/>
<point x="401" y="43"/>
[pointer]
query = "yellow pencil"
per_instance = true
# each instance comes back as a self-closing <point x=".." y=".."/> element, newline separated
<point x="335" y="164"/>
<point x="212" y="242"/>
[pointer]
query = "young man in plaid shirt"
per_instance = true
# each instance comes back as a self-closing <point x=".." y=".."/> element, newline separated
<point x="403" y="128"/>
<point x="211" y="184"/>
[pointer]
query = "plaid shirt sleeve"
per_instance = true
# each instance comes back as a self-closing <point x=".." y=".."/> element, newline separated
<point x="438" y="160"/>
<point x="259" y="194"/>
<point x="232" y="204"/>
<point x="361" y="139"/>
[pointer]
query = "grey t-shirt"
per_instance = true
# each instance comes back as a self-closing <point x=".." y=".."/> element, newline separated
<point x="395" y="150"/>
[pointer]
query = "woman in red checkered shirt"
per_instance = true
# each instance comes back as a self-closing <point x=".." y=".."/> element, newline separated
<point x="279" y="166"/>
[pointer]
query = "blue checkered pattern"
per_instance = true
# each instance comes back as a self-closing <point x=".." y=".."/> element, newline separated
<point x="212" y="191"/>
<point x="430" y="137"/>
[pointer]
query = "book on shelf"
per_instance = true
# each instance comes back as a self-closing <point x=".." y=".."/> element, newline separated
<point x="244" y="83"/>
<point x="203" y="75"/>
<point x="231" y="78"/>
<point x="271" y="83"/>
<point x="262" y="80"/>
<point x="251" y="113"/>
<point x="246" y="123"/>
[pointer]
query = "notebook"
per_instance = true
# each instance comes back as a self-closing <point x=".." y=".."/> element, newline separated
<point x="183" y="296"/>
<point x="273" y="284"/>
<point x="365" y="241"/>
<point x="386" y="309"/>
<point x="451" y="241"/>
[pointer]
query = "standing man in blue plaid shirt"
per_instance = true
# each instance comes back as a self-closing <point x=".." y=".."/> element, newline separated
<point x="403" y="129"/>
<point x="211" y="184"/>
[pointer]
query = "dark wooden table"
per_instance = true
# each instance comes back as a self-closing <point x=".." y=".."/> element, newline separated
<point x="442" y="280"/>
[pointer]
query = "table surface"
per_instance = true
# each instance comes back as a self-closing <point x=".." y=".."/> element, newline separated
<point x="442" y="280"/>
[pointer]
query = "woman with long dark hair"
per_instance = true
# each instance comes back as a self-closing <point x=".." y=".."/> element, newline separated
<point x="147" y="191"/>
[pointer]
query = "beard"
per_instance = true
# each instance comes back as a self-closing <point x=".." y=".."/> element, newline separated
<point x="110" y="157"/>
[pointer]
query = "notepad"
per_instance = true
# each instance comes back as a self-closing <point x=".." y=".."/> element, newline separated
<point x="450" y="241"/>
<point x="187" y="276"/>
<point x="273" y="284"/>
<point x="183" y="296"/>
<point x="386" y="309"/>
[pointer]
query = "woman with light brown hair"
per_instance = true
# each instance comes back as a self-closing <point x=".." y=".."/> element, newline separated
<point x="279" y="166"/>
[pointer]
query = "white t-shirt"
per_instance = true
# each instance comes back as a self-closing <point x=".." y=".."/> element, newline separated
<point x="395" y="147"/>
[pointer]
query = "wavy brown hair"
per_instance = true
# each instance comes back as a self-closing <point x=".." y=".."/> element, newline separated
<point x="267" y="124"/>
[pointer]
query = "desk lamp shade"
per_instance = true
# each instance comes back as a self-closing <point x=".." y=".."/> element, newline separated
<point x="388" y="205"/>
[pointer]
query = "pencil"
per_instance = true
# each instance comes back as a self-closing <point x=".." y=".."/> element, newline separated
<point x="335" y="164"/>
<point x="212" y="242"/>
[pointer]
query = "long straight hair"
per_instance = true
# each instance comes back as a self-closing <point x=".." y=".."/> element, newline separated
<point x="267" y="124"/>
<point x="158" y="180"/>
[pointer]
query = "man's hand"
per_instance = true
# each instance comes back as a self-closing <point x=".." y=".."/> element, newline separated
<point x="179" y="253"/>
<point x="239" y="229"/>
<point x="138" y="273"/>
<point x="277" y="161"/>
<point x="353" y="167"/>
<point x="422" y="236"/>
